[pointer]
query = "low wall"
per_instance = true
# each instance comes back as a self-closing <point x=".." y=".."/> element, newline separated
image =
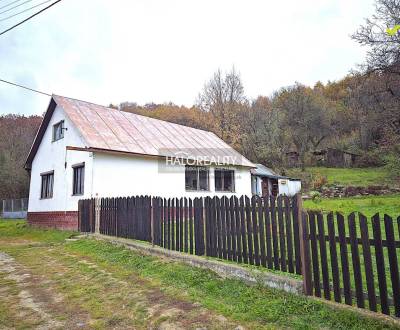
<point x="64" y="220"/>
<point x="14" y="215"/>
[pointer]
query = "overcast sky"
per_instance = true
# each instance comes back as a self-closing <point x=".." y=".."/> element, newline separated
<point x="164" y="50"/>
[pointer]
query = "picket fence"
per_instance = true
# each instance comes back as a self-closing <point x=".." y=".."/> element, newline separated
<point x="274" y="233"/>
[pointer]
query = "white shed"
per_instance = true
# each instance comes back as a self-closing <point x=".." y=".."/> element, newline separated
<point x="265" y="182"/>
<point x="84" y="150"/>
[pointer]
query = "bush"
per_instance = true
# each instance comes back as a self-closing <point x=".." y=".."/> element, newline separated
<point x="393" y="165"/>
<point x="318" y="181"/>
<point x="315" y="196"/>
<point x="373" y="158"/>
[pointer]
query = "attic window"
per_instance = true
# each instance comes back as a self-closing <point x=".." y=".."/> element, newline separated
<point x="58" y="131"/>
<point x="224" y="180"/>
<point x="196" y="178"/>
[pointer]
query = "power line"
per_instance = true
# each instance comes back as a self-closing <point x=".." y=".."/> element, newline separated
<point x="16" y="6"/>
<point x="24" y="87"/>
<point x="21" y="12"/>
<point x="9" y="4"/>
<point x="27" y="19"/>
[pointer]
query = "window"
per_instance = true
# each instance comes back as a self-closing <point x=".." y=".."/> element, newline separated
<point x="196" y="178"/>
<point x="78" y="179"/>
<point x="47" y="185"/>
<point x="224" y="180"/>
<point x="58" y="131"/>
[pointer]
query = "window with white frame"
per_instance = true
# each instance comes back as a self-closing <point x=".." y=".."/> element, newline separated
<point x="196" y="178"/>
<point x="46" y="190"/>
<point x="78" y="179"/>
<point x="224" y="180"/>
<point x="58" y="131"/>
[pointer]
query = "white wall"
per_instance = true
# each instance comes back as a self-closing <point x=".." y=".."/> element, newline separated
<point x="130" y="175"/>
<point x="289" y="187"/>
<point x="53" y="156"/>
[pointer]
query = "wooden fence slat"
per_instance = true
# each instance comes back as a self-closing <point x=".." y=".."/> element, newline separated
<point x="185" y="218"/>
<point x="305" y="250"/>
<point x="369" y="272"/>
<point x="223" y="234"/>
<point x="356" y="261"/>
<point x="274" y="233"/>
<point x="261" y="223"/>
<point x="190" y="222"/>
<point x="249" y="231"/>
<point x="324" y="257"/>
<point x="243" y="230"/>
<point x="296" y="234"/>
<point x="344" y="260"/>
<point x="233" y="228"/>
<point x="268" y="233"/>
<point x="255" y="229"/>
<point x="314" y="254"/>
<point x="289" y="234"/>
<point x="394" y="267"/>
<point x="239" y="251"/>
<point x="380" y="264"/>
<point x="334" y="259"/>
<point x="282" y="243"/>
<point x="228" y="222"/>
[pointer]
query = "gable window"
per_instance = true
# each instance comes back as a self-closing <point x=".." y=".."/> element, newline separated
<point x="58" y="131"/>
<point x="46" y="190"/>
<point x="196" y="178"/>
<point x="224" y="180"/>
<point x="78" y="179"/>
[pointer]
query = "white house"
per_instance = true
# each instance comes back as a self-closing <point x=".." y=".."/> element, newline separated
<point x="265" y="182"/>
<point x="84" y="150"/>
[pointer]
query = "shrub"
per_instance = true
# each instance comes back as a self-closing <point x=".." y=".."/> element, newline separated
<point x="315" y="196"/>
<point x="393" y="165"/>
<point x="318" y="181"/>
<point x="373" y="158"/>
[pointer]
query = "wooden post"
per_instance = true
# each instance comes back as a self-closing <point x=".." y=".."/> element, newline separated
<point x="304" y="247"/>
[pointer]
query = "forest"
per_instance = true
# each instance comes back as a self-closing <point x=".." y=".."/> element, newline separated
<point x="359" y="113"/>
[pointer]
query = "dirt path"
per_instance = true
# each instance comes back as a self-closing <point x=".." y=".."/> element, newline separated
<point x="46" y="287"/>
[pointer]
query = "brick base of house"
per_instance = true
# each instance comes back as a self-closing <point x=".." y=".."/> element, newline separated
<point x="59" y="219"/>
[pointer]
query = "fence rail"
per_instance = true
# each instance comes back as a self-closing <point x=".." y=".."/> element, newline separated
<point x="350" y="258"/>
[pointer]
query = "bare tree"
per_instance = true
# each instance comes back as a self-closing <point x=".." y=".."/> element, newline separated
<point x="384" y="52"/>
<point x="223" y="96"/>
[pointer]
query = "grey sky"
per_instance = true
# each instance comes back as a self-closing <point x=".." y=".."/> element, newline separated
<point x="164" y="50"/>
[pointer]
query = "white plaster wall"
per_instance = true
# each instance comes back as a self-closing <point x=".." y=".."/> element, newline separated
<point x="291" y="188"/>
<point x="53" y="156"/>
<point x="116" y="175"/>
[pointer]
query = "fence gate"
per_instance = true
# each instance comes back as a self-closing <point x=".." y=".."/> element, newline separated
<point x="87" y="215"/>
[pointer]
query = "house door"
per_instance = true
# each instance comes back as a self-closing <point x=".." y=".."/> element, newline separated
<point x="264" y="187"/>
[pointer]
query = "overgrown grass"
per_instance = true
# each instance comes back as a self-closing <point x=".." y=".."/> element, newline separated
<point x="228" y="297"/>
<point x="19" y="229"/>
<point x="349" y="176"/>
<point x="368" y="205"/>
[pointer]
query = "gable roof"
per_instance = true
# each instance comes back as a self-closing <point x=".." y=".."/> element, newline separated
<point x="104" y="129"/>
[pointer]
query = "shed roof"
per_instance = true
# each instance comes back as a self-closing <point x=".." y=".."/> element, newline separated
<point x="264" y="171"/>
<point x="106" y="129"/>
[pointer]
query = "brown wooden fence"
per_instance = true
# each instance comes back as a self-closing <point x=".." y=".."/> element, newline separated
<point x="351" y="258"/>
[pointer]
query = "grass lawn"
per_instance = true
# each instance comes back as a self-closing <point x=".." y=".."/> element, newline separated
<point x="46" y="281"/>
<point x="368" y="205"/>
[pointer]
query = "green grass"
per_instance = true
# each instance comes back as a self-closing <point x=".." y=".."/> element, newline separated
<point x="19" y="229"/>
<point x="349" y="176"/>
<point x="368" y="205"/>
<point x="253" y="306"/>
<point x="229" y="297"/>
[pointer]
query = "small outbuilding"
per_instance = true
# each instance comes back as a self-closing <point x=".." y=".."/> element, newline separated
<point x="265" y="182"/>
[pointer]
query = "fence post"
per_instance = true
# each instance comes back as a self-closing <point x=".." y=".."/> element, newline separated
<point x="304" y="247"/>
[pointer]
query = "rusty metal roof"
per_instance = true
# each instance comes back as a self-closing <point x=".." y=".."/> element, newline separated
<point x="109" y="129"/>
